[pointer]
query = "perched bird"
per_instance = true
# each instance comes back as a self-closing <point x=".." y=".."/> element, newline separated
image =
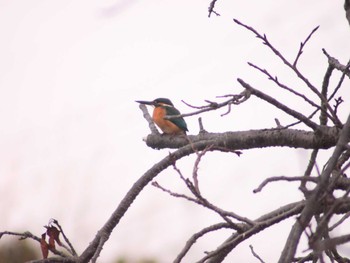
<point x="164" y="107"/>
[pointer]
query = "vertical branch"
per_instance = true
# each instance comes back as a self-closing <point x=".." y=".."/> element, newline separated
<point x="195" y="167"/>
<point x="308" y="171"/>
<point x="347" y="10"/>
<point x="324" y="91"/>
<point x="148" y="118"/>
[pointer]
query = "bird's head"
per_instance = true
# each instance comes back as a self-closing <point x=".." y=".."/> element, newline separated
<point x="157" y="102"/>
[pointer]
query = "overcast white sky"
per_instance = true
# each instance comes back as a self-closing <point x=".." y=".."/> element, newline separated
<point x="71" y="134"/>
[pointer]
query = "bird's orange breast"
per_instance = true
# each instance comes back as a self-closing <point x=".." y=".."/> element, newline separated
<point x="165" y="125"/>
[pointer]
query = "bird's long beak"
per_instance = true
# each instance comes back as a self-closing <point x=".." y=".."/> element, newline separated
<point x="145" y="102"/>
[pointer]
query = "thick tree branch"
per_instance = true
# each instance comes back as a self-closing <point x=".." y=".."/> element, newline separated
<point x="239" y="140"/>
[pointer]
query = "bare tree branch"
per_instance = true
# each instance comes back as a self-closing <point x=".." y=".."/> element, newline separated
<point x="308" y="170"/>
<point x="283" y="86"/>
<point x="302" y="45"/>
<point x="148" y="118"/>
<point x="264" y="222"/>
<point x="196" y="236"/>
<point x="235" y="99"/>
<point x="211" y="8"/>
<point x="284" y="178"/>
<point x="347" y="10"/>
<point x="92" y="251"/>
<point x="331" y="242"/>
<point x="71" y="248"/>
<point x="200" y="200"/>
<point x="313" y="203"/>
<point x="279" y="105"/>
<point x="336" y="64"/>
<point x="321" y="202"/>
<point x="256" y="255"/>
<point x="25" y="235"/>
<point x="293" y="68"/>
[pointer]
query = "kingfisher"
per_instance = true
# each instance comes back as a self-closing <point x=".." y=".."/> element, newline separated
<point x="164" y="107"/>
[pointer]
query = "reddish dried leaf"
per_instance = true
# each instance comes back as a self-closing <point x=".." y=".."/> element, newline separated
<point x="53" y="234"/>
<point x="52" y="243"/>
<point x="44" y="246"/>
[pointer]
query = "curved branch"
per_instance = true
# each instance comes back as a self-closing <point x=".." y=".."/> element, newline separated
<point x="196" y="236"/>
<point x="93" y="250"/>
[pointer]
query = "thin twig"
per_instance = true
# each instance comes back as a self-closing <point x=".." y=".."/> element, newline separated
<point x="279" y="105"/>
<point x="235" y="99"/>
<point x="302" y="45"/>
<point x="255" y="255"/>
<point x="308" y="171"/>
<point x="340" y="221"/>
<point x="324" y="91"/>
<point x="277" y="82"/>
<point x="195" y="167"/>
<point x="157" y="185"/>
<point x="284" y="178"/>
<point x="21" y="236"/>
<point x="72" y="250"/>
<point x="196" y="236"/>
<point x="294" y="69"/>
<point x="26" y="235"/>
<point x="263" y="222"/>
<point x="226" y="215"/>
<point x="211" y="8"/>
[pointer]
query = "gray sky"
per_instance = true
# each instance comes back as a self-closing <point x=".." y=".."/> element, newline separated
<point x="71" y="138"/>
